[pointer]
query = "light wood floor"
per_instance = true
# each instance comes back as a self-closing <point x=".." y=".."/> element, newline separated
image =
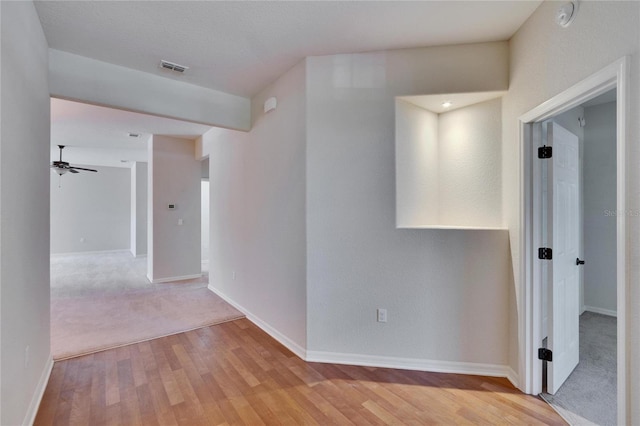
<point x="234" y="373"/>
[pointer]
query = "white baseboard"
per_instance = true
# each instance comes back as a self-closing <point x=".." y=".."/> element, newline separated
<point x="601" y="311"/>
<point x="170" y="279"/>
<point x="76" y="253"/>
<point x="34" y="405"/>
<point x="284" y="340"/>
<point x="476" y="369"/>
<point x="411" y="364"/>
<point x="512" y="376"/>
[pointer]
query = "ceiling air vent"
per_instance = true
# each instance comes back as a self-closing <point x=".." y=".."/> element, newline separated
<point x="172" y="66"/>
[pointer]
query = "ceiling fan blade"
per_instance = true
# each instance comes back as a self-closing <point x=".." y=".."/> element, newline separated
<point x="73" y="170"/>
<point x="82" y="168"/>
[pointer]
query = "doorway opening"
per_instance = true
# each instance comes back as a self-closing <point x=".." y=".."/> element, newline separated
<point x="537" y="274"/>
<point x="581" y="379"/>
<point x="204" y="217"/>
<point x="101" y="294"/>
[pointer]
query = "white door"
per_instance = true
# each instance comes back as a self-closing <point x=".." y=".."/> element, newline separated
<point x="564" y="294"/>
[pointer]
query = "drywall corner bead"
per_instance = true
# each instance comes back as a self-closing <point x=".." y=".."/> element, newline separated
<point x="270" y="104"/>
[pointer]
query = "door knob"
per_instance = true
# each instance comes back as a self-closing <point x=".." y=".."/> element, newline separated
<point x="579" y="262"/>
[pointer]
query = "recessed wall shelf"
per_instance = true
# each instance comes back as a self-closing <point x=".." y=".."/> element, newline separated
<point x="472" y="228"/>
<point x="449" y="161"/>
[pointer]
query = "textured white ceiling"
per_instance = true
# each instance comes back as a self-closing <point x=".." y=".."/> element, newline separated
<point x="237" y="47"/>
<point x="241" y="46"/>
<point x="97" y="135"/>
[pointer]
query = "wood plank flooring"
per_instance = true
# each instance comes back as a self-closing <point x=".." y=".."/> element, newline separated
<point x="234" y="373"/>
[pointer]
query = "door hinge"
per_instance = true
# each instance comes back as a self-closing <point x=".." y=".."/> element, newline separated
<point x="545" y="253"/>
<point x="544" y="152"/>
<point x="545" y="354"/>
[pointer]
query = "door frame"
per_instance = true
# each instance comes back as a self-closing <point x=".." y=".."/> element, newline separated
<point x="614" y="76"/>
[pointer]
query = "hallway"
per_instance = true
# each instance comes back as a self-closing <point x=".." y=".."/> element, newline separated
<point x="101" y="301"/>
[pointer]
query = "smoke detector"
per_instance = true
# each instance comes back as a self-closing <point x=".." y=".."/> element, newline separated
<point x="172" y="66"/>
<point x="566" y="14"/>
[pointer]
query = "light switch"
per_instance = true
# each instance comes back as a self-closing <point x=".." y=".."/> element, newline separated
<point x="180" y="221"/>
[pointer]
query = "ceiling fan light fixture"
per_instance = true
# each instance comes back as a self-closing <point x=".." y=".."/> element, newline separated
<point x="59" y="171"/>
<point x="62" y="167"/>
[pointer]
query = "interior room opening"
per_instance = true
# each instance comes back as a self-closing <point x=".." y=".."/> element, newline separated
<point x="204" y="216"/>
<point x="590" y="390"/>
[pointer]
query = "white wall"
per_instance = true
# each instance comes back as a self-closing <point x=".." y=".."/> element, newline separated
<point x="545" y="60"/>
<point x="91" y="211"/>
<point x="100" y="83"/>
<point x="173" y="178"/>
<point x="139" y="209"/>
<point x="24" y="214"/>
<point x="257" y="182"/>
<point x="446" y="291"/>
<point x="416" y="144"/>
<point x="599" y="165"/>
<point x="204" y="220"/>
<point x="470" y="181"/>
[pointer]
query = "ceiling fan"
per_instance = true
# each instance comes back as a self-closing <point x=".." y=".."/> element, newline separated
<point x="62" y="167"/>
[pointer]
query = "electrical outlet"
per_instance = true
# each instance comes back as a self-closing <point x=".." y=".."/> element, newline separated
<point x="382" y="315"/>
<point x="233" y="275"/>
<point x="26" y="357"/>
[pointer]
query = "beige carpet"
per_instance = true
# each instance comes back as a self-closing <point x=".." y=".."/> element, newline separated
<point x="589" y="396"/>
<point x="101" y="301"/>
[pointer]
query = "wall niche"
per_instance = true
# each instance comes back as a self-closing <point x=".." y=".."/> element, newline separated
<point x="448" y="161"/>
